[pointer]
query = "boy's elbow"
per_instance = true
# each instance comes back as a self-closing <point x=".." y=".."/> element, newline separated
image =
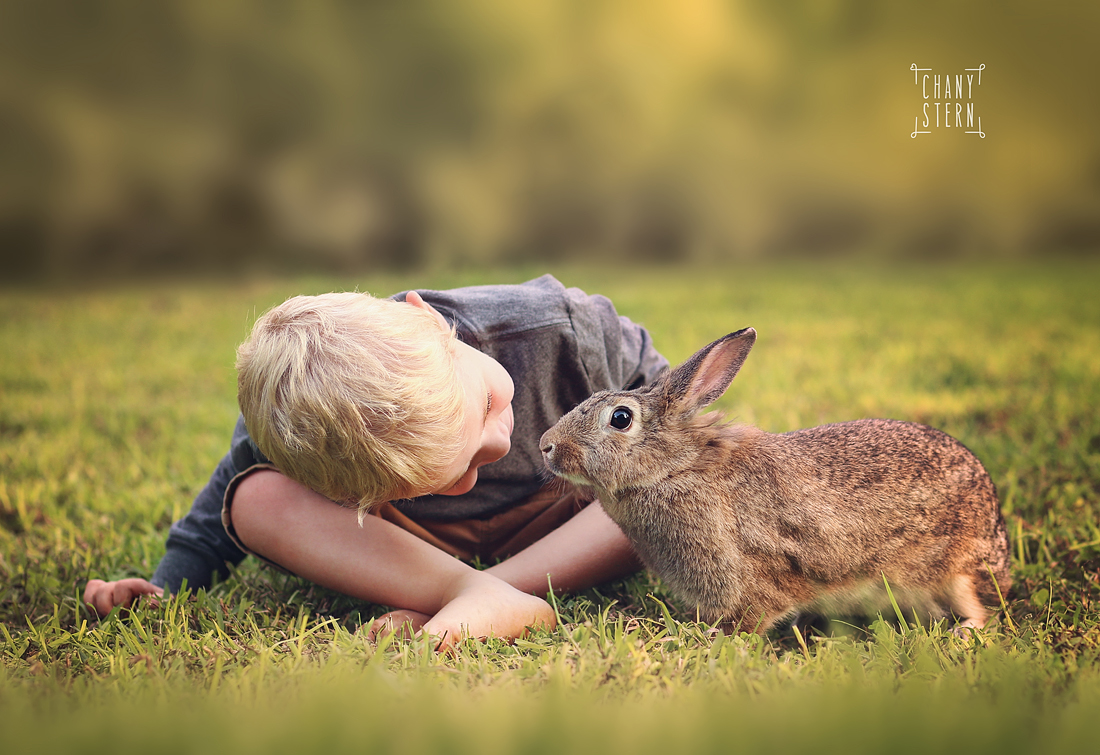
<point x="263" y="505"/>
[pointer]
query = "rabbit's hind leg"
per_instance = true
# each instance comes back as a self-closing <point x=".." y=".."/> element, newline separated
<point x="962" y="599"/>
<point x="809" y="622"/>
<point x="748" y="620"/>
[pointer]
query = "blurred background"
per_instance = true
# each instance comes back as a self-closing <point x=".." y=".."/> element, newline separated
<point x="209" y="137"/>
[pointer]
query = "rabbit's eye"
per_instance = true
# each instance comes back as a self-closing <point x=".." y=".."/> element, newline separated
<point x="621" y="418"/>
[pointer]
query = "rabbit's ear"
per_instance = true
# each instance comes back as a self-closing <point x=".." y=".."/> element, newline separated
<point x="702" y="379"/>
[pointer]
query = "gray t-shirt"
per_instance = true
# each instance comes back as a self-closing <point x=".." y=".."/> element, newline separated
<point x="559" y="345"/>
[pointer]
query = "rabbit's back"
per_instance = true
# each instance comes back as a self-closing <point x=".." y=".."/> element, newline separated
<point x="882" y="495"/>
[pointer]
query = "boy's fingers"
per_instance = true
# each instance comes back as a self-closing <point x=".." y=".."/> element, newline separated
<point x="91" y="588"/>
<point x="445" y="636"/>
<point x="103" y="596"/>
<point x="407" y="623"/>
<point x="444" y="643"/>
<point x="144" y="587"/>
<point x="128" y="590"/>
<point x="122" y="595"/>
<point x="97" y="595"/>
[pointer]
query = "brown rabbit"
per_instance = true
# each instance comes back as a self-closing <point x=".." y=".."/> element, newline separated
<point x="752" y="527"/>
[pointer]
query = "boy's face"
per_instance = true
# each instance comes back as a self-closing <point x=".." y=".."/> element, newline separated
<point x="489" y="417"/>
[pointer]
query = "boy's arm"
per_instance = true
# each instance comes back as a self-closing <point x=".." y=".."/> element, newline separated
<point x="378" y="561"/>
<point x="197" y="548"/>
<point x="587" y="550"/>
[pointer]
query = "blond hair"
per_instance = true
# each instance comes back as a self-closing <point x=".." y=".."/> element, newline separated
<point x="355" y="397"/>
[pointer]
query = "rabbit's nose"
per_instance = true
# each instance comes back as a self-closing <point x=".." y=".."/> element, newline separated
<point x="546" y="442"/>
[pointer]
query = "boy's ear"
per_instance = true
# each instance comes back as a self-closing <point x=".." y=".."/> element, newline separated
<point x="415" y="299"/>
<point x="708" y="373"/>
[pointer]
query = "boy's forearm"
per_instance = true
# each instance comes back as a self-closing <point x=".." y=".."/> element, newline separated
<point x="378" y="562"/>
<point x="587" y="550"/>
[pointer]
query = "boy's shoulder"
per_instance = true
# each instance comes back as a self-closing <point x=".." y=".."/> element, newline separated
<point x="502" y="310"/>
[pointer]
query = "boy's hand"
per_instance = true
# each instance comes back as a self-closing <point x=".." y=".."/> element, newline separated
<point x="406" y="623"/>
<point x="483" y="606"/>
<point x="102" y="596"/>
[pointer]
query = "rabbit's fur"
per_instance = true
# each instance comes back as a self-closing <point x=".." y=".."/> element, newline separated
<point x="750" y="527"/>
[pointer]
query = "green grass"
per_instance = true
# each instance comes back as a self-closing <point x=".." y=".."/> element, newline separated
<point x="116" y="404"/>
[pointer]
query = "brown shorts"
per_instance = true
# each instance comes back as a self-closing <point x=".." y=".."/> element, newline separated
<point x="488" y="540"/>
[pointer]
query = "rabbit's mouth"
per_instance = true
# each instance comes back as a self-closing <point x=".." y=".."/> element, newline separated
<point x="574" y="478"/>
<point x="552" y="461"/>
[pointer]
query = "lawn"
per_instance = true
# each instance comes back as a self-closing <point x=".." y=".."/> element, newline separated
<point x="115" y="404"/>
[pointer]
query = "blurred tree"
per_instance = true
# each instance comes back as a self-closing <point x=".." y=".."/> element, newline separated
<point x="139" y="137"/>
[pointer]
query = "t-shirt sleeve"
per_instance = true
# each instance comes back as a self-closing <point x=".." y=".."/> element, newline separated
<point x="617" y="352"/>
<point x="198" y="547"/>
<point x="641" y="362"/>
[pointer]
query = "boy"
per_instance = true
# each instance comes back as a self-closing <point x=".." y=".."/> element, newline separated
<point x="425" y="412"/>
